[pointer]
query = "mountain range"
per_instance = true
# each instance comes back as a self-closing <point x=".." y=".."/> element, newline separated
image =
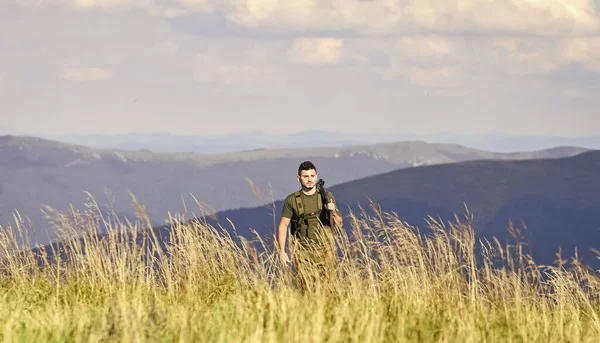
<point x="224" y="143"/>
<point x="35" y="172"/>
<point x="554" y="202"/>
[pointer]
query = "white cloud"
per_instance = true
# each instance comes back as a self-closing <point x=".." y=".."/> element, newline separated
<point x="253" y="12"/>
<point x="425" y="60"/>
<point x="542" y="17"/>
<point x="432" y="50"/>
<point x="585" y="51"/>
<point x="425" y="56"/>
<point x="524" y="56"/>
<point x="539" y="17"/>
<point x="316" y="51"/>
<point x="85" y="74"/>
<point x="547" y="17"/>
<point x="427" y="47"/>
<point x="487" y="52"/>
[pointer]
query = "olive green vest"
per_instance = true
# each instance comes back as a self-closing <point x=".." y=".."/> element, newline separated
<point x="305" y="224"/>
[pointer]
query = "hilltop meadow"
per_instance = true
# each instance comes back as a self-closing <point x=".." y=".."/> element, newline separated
<point x="386" y="282"/>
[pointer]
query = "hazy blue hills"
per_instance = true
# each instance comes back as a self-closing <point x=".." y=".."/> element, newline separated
<point x="223" y="143"/>
<point x="35" y="172"/>
<point x="555" y="199"/>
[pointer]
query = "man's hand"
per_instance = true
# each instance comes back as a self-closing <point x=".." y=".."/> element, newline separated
<point x="283" y="257"/>
<point x="335" y="214"/>
<point x="331" y="205"/>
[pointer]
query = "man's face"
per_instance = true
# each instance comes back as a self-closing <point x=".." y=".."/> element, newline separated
<point x="308" y="178"/>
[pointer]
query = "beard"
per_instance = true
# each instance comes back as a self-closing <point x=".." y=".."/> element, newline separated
<point x="309" y="186"/>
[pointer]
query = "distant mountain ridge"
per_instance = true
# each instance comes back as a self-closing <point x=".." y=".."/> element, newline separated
<point x="406" y="152"/>
<point x="36" y="172"/>
<point x="164" y="142"/>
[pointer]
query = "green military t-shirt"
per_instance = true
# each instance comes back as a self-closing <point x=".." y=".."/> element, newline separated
<point x="310" y="202"/>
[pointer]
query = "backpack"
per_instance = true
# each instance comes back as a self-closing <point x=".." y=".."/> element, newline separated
<point x="303" y="217"/>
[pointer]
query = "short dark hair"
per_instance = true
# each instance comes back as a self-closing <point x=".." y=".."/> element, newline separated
<point x="306" y="165"/>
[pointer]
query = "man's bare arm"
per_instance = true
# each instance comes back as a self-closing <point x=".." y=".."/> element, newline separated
<point x="281" y="237"/>
<point x="337" y="218"/>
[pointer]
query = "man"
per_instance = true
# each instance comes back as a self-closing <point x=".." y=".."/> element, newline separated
<point x="309" y="222"/>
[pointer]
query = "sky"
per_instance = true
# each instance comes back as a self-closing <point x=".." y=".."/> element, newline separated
<point x="356" y="66"/>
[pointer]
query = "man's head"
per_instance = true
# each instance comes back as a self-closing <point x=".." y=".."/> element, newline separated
<point x="307" y="175"/>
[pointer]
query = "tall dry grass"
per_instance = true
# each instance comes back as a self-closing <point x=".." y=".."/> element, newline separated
<point x="389" y="283"/>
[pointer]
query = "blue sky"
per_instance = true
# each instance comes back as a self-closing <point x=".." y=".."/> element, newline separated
<point x="206" y="66"/>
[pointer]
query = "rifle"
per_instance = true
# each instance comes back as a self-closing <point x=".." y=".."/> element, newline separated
<point x="324" y="198"/>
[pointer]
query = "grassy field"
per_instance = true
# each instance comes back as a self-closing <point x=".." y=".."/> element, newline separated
<point x="387" y="284"/>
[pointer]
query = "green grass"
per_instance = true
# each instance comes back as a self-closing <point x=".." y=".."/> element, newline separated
<point x="388" y="285"/>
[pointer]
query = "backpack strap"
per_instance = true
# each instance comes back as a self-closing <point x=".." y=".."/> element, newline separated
<point x="319" y="200"/>
<point x="299" y="204"/>
<point x="297" y="222"/>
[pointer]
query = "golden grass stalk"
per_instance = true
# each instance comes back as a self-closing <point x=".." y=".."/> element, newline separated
<point x="385" y="282"/>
